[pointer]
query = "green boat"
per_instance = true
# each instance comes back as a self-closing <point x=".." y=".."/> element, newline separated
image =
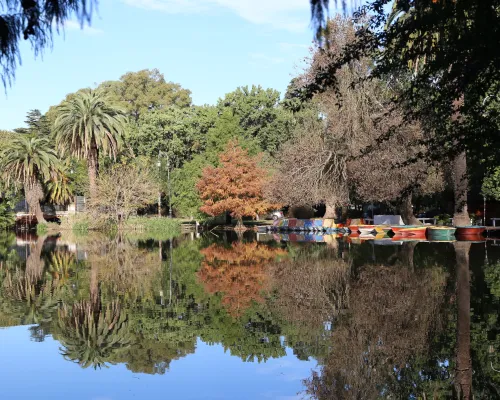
<point x="441" y="232"/>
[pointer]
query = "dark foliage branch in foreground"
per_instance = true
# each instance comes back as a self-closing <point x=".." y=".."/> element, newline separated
<point x="450" y="51"/>
<point x="34" y="20"/>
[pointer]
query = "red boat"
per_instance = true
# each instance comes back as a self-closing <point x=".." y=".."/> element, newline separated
<point x="353" y="228"/>
<point x="470" y="231"/>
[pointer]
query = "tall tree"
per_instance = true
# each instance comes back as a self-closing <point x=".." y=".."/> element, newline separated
<point x="87" y="124"/>
<point x="236" y="186"/>
<point x="34" y="21"/>
<point x="447" y="45"/>
<point x="146" y="90"/>
<point x="261" y="115"/>
<point x="37" y="124"/>
<point x="31" y="162"/>
<point x="178" y="132"/>
<point x="326" y="161"/>
<point x="186" y="199"/>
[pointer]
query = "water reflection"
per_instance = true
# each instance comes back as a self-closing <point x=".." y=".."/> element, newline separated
<point x="406" y="320"/>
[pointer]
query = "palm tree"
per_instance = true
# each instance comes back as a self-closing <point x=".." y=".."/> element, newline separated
<point x="86" y="124"/>
<point x="59" y="188"/>
<point x="30" y="161"/>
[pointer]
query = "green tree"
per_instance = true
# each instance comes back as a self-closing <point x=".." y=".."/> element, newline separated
<point x="261" y="115"/>
<point x="178" y="132"/>
<point x="38" y="124"/>
<point x="186" y="199"/>
<point x="144" y="91"/>
<point x="491" y="185"/>
<point x="30" y="161"/>
<point x="87" y="124"/>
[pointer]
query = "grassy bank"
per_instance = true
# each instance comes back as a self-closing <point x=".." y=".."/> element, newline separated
<point x="152" y="228"/>
<point x="142" y="227"/>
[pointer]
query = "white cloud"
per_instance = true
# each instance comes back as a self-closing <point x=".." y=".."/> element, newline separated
<point x="292" y="15"/>
<point x="87" y="30"/>
<point x="263" y="60"/>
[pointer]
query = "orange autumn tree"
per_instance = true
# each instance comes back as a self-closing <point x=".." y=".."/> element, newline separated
<point x="235" y="186"/>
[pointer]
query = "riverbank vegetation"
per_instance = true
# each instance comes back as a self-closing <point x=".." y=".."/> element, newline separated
<point x="346" y="132"/>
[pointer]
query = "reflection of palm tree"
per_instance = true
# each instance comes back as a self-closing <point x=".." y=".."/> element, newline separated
<point x="24" y="297"/>
<point x="92" y="334"/>
<point x="61" y="263"/>
<point x="26" y="301"/>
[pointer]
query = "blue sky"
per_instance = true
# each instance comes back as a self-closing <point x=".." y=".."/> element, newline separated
<point x="208" y="46"/>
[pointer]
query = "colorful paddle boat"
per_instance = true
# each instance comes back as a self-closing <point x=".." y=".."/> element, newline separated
<point x="413" y="232"/>
<point x="397" y="228"/>
<point x="470" y="230"/>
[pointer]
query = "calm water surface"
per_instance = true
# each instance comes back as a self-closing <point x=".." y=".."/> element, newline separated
<point x="222" y="317"/>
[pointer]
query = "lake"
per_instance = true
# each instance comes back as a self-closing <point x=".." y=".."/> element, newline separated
<point x="260" y="316"/>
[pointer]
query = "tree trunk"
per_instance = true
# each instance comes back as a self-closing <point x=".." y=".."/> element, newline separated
<point x="331" y="211"/>
<point x="407" y="211"/>
<point x="39" y="213"/>
<point x="460" y="187"/>
<point x="93" y="166"/>
<point x="228" y="218"/>
<point x="34" y="193"/>
<point x="463" y="369"/>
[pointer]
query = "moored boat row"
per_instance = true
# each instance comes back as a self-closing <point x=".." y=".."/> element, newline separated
<point x="399" y="231"/>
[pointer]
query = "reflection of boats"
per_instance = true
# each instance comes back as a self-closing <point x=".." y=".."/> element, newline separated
<point x="470" y="230"/>
<point x="413" y="231"/>
<point x="306" y="237"/>
<point x="440" y="233"/>
<point x="366" y="229"/>
<point x="382" y="229"/>
<point x="366" y="236"/>
<point x="471" y="238"/>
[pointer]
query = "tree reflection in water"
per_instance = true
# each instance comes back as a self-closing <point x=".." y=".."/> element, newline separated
<point x="391" y="317"/>
<point x="239" y="272"/>
<point x="383" y="322"/>
<point x="92" y="333"/>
